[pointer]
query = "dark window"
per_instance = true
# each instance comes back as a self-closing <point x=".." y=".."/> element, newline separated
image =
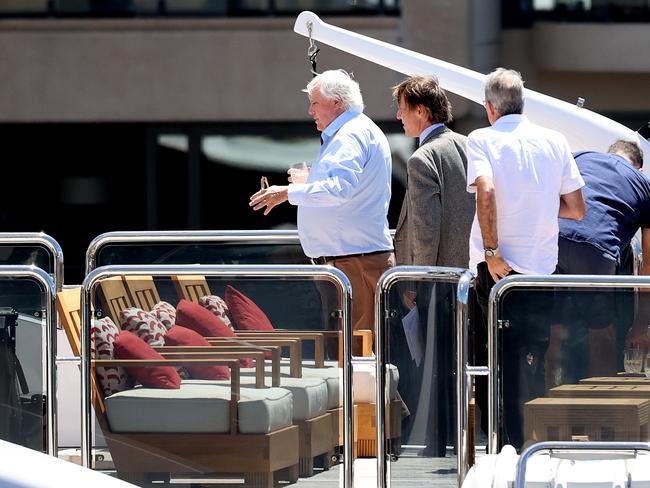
<point x="523" y="13"/>
<point x="199" y="8"/>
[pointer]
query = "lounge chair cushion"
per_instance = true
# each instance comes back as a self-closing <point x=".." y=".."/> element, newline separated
<point x="103" y="333"/>
<point x="130" y="346"/>
<point x="198" y="406"/>
<point x="217" y="306"/>
<point x="309" y="394"/>
<point x="182" y="336"/>
<point x="165" y="313"/>
<point x="143" y="324"/>
<point x="245" y="314"/>
<point x="364" y="381"/>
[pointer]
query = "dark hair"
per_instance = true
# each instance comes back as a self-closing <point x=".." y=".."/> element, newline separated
<point x="629" y="150"/>
<point x="425" y="91"/>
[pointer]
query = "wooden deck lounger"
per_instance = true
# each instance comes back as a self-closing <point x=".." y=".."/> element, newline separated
<point x="316" y="436"/>
<point x="141" y="457"/>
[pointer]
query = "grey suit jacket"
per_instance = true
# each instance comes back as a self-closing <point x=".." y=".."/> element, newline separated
<point x="437" y="211"/>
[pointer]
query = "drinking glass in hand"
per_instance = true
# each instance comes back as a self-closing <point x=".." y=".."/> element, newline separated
<point x="633" y="360"/>
<point x="298" y="173"/>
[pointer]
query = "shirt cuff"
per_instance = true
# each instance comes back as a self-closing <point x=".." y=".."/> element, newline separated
<point x="296" y="193"/>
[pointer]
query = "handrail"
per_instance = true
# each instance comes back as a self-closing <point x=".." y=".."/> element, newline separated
<point x="39" y="238"/>
<point x="47" y="282"/>
<point x="386" y="281"/>
<point x="535" y="281"/>
<point x="520" y="480"/>
<point x="328" y="273"/>
<point x="185" y="237"/>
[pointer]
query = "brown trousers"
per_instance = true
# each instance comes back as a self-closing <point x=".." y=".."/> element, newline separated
<point x="363" y="273"/>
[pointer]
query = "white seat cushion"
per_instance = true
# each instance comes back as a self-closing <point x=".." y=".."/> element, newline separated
<point x="330" y="375"/>
<point x="364" y="381"/>
<point x="198" y="406"/>
<point x="309" y="394"/>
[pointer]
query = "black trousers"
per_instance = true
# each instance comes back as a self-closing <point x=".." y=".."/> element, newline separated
<point x="521" y="349"/>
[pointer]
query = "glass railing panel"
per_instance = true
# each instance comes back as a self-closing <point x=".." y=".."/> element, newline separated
<point x="567" y="371"/>
<point x="259" y="373"/>
<point x="28" y="255"/>
<point x="23" y="362"/>
<point x="231" y="252"/>
<point x="420" y="354"/>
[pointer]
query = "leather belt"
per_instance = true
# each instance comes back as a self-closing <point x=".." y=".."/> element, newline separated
<point x="326" y="259"/>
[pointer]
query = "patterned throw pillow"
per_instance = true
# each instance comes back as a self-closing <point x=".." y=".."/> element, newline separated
<point x="103" y="333"/>
<point x="143" y="324"/>
<point x="217" y="306"/>
<point x="165" y="313"/>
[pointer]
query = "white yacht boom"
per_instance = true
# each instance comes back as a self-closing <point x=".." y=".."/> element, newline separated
<point x="585" y="130"/>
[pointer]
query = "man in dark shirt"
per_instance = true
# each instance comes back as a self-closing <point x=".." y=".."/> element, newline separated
<point x="617" y="195"/>
<point x="617" y="198"/>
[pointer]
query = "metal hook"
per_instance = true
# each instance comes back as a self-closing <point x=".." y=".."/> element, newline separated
<point x="313" y="48"/>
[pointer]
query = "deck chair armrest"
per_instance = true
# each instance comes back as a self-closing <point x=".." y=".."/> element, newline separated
<point x="294" y="345"/>
<point x="317" y="337"/>
<point x="276" y="352"/>
<point x="257" y="356"/>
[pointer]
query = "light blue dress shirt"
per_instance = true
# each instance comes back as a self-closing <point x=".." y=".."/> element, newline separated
<point x="343" y="205"/>
<point x="428" y="131"/>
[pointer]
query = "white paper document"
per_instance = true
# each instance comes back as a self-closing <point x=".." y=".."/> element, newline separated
<point x="410" y="322"/>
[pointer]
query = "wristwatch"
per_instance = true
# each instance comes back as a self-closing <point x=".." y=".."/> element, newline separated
<point x="491" y="251"/>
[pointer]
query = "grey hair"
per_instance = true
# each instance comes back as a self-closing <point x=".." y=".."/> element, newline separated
<point x="504" y="88"/>
<point x="337" y="84"/>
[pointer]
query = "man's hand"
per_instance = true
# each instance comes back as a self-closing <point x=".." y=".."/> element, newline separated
<point x="497" y="266"/>
<point x="269" y="198"/>
<point x="297" y="175"/>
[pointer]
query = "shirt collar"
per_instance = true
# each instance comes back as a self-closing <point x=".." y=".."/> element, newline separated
<point x="337" y="123"/>
<point x="511" y="119"/>
<point x="425" y="133"/>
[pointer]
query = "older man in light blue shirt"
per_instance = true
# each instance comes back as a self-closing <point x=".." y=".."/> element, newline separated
<point x="343" y="202"/>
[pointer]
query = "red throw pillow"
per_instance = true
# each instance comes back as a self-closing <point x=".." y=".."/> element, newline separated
<point x="129" y="346"/>
<point x="193" y="316"/>
<point x="244" y="313"/>
<point x="182" y="336"/>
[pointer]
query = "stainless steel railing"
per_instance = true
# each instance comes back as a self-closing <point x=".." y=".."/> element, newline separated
<point x="534" y="281"/>
<point x="520" y="480"/>
<point x="37" y="239"/>
<point x="46" y="282"/>
<point x="382" y="315"/>
<point x="187" y="237"/>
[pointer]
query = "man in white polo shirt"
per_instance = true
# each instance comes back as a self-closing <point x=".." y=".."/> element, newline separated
<point x="524" y="177"/>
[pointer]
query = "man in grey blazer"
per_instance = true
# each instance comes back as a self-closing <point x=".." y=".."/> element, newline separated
<point x="436" y="216"/>
<point x="433" y="230"/>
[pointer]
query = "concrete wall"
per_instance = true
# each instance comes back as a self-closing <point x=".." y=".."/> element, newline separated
<point x="172" y="69"/>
